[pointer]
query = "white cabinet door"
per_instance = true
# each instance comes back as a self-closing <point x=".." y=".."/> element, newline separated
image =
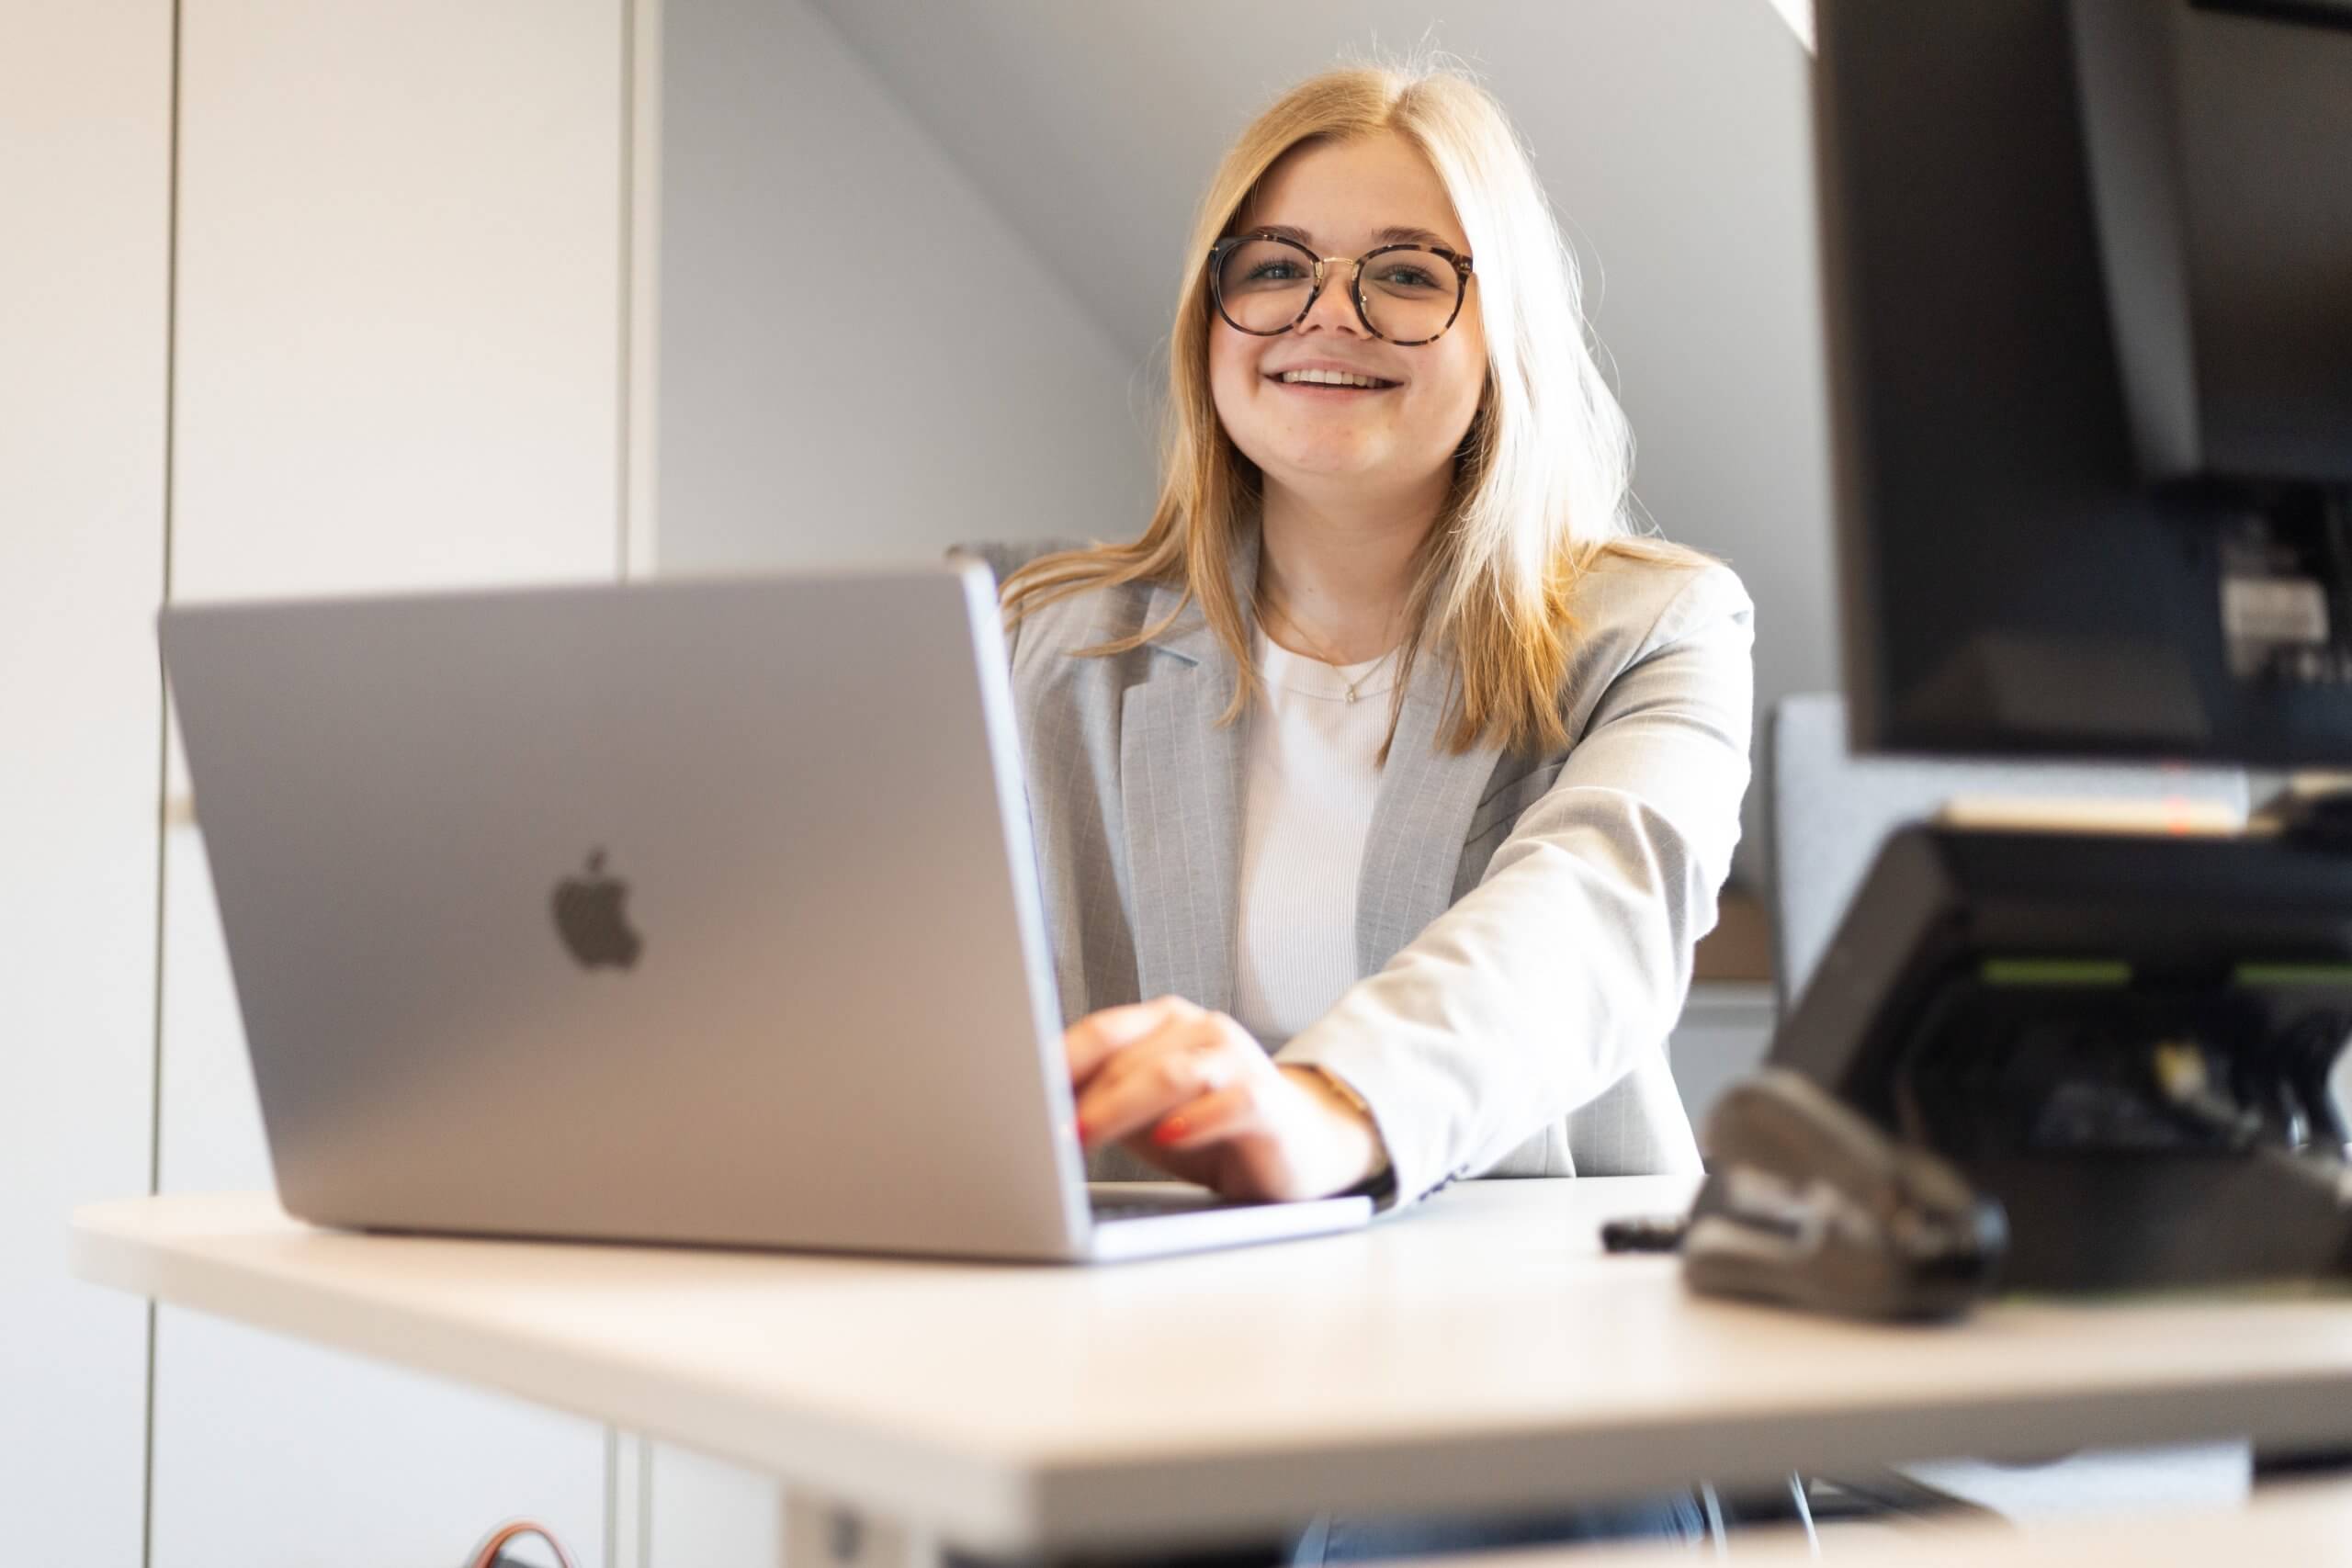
<point x="398" y="364"/>
<point x="84" y="256"/>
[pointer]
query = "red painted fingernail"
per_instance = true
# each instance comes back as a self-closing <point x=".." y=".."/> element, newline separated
<point x="1085" y="1134"/>
<point x="1168" y="1132"/>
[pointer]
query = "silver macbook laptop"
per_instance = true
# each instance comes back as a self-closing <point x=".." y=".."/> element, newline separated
<point x="698" y="911"/>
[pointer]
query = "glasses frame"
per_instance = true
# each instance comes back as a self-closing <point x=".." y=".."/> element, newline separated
<point x="1323" y="266"/>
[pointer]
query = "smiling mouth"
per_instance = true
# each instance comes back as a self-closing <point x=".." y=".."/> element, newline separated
<point x="1329" y="381"/>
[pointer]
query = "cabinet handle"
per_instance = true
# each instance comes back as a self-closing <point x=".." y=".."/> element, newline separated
<point x="486" y="1555"/>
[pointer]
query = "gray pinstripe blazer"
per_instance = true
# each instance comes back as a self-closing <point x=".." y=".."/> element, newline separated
<point x="1524" y="923"/>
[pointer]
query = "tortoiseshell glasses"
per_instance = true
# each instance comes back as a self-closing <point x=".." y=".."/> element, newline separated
<point x="1264" y="285"/>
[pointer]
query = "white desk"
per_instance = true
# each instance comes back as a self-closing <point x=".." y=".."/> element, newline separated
<point x="1477" y="1352"/>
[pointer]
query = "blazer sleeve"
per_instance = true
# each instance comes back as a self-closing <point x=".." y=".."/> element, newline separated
<point x="1566" y="967"/>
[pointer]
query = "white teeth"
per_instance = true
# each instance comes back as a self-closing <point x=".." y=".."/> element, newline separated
<point x="1328" y="379"/>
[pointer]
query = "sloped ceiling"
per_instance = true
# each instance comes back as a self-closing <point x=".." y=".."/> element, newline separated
<point x="1673" y="135"/>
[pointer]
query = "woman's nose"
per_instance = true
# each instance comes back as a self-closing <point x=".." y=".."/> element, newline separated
<point x="1333" y="308"/>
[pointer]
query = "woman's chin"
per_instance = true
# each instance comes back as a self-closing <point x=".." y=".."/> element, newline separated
<point x="1328" y="460"/>
<point x="1334" y="473"/>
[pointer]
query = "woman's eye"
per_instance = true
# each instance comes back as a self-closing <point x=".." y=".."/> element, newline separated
<point x="1408" y="278"/>
<point x="1274" y="272"/>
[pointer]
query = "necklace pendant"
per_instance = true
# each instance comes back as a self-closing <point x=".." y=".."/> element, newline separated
<point x="1351" y="693"/>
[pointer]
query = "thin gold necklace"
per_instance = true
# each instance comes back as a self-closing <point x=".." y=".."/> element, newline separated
<point x="1313" y="646"/>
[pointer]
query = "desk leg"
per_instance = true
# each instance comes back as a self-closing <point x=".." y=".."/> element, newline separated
<point x="629" y="1500"/>
<point x="819" y="1532"/>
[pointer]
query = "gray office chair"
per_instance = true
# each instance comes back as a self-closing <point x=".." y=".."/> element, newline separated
<point x="1005" y="557"/>
<point x="1825" y="814"/>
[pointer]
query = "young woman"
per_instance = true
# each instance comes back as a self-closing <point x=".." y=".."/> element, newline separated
<point x="1382" y="786"/>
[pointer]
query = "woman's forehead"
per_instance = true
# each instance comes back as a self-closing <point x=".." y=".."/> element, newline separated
<point x="1375" y="190"/>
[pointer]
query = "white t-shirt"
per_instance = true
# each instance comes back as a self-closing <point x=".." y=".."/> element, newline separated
<point x="1310" y="783"/>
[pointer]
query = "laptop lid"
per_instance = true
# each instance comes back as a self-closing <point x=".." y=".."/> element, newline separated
<point x="696" y="911"/>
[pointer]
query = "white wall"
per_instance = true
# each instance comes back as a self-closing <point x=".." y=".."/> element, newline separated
<point x="860" y="360"/>
<point x="85" y="186"/>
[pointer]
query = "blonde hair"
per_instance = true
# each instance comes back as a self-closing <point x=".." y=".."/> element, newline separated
<point x="1540" y="482"/>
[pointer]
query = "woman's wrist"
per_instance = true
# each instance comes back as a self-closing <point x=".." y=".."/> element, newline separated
<point x="1366" y="1154"/>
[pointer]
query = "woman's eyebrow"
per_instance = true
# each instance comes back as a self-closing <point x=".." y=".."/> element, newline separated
<point x="1392" y="235"/>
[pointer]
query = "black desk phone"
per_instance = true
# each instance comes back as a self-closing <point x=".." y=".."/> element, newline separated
<point x="2057" y="1060"/>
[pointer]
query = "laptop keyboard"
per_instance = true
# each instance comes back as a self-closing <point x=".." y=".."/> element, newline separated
<point x="1109" y="1209"/>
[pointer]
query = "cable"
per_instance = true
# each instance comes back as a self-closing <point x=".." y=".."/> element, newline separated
<point x="1805" y="1512"/>
<point x="1714" y="1517"/>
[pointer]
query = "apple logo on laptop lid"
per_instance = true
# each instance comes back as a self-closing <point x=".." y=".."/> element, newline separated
<point x="590" y="918"/>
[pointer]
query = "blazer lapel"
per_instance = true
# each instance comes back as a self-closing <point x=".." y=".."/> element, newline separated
<point x="1181" y="788"/>
<point x="1181" y="791"/>
<point x="1420" y="817"/>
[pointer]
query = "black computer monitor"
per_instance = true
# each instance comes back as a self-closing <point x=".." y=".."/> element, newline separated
<point x="2088" y="281"/>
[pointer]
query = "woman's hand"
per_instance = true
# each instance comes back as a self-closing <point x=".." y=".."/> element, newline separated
<point x="1191" y="1092"/>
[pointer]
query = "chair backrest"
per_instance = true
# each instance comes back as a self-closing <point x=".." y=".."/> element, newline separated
<point x="1826" y="812"/>
<point x="1005" y="557"/>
